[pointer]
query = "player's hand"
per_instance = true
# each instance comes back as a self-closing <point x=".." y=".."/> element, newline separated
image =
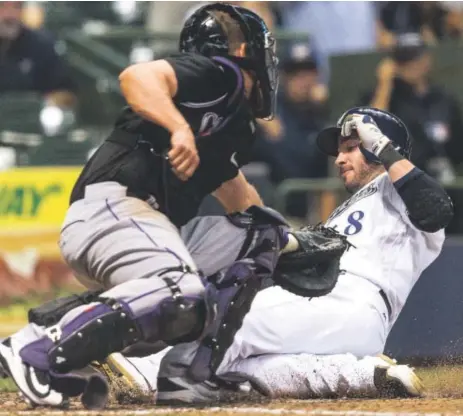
<point x="371" y="137"/>
<point x="273" y="129"/>
<point x="183" y="155"/>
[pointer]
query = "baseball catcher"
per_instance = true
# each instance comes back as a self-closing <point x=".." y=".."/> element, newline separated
<point x="188" y="128"/>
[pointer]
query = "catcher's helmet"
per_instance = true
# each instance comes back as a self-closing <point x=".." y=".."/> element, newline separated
<point x="203" y="33"/>
<point x="391" y="126"/>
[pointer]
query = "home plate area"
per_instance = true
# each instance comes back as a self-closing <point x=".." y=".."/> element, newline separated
<point x="444" y="397"/>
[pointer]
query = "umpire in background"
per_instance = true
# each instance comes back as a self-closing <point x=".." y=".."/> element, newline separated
<point x="186" y="132"/>
<point x="432" y="115"/>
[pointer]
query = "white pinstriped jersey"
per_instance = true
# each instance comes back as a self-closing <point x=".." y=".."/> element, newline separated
<point x="389" y="250"/>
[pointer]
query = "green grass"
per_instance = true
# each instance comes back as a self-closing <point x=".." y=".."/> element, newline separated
<point x="17" y="307"/>
<point x="7" y="386"/>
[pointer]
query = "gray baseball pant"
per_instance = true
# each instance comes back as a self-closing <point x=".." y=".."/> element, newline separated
<point x="123" y="245"/>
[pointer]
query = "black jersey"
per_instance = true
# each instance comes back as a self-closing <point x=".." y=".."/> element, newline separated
<point x="211" y="97"/>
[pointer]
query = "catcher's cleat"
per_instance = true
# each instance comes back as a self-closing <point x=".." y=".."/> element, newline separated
<point x="3" y="373"/>
<point x="177" y="391"/>
<point x="396" y="381"/>
<point x="34" y="385"/>
<point x="122" y="373"/>
<point x="180" y="391"/>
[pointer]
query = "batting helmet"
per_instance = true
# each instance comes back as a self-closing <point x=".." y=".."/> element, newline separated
<point x="391" y="126"/>
<point x="203" y="33"/>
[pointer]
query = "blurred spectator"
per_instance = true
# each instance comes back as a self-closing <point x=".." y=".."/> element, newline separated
<point x="168" y="17"/>
<point x="262" y="8"/>
<point x="33" y="15"/>
<point x="287" y="143"/>
<point x="29" y="61"/>
<point x="432" y="116"/>
<point x="109" y="13"/>
<point x="432" y="19"/>
<point x="454" y="17"/>
<point x="334" y="27"/>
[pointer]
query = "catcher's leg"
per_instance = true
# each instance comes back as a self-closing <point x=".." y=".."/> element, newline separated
<point x="168" y="308"/>
<point x="156" y="293"/>
<point x="233" y="289"/>
<point x="172" y="310"/>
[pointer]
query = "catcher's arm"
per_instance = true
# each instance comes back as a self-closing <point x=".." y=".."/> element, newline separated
<point x="237" y="195"/>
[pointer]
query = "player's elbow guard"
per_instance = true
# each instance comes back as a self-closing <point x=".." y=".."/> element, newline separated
<point x="429" y="207"/>
<point x="437" y="220"/>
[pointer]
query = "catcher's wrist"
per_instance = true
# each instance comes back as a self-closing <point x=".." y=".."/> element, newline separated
<point x="291" y="246"/>
<point x="389" y="155"/>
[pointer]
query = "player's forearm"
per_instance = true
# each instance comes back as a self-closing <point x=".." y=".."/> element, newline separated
<point x="241" y="201"/>
<point x="429" y="207"/>
<point x="237" y="195"/>
<point x="148" y="89"/>
<point x="253" y="198"/>
<point x="396" y="165"/>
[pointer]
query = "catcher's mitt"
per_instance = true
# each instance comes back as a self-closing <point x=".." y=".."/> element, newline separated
<point x="313" y="269"/>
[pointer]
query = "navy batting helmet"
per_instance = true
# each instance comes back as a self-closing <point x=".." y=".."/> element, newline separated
<point x="391" y="126"/>
<point x="203" y="33"/>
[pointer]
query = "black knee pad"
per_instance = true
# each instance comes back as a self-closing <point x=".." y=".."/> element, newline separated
<point x="181" y="319"/>
<point x="110" y="330"/>
<point x="51" y="312"/>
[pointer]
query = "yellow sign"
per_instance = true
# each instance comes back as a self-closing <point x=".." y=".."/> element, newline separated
<point x="36" y="198"/>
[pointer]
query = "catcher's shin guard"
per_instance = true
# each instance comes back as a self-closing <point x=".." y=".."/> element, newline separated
<point x="110" y="329"/>
<point x="233" y="292"/>
<point x="92" y="332"/>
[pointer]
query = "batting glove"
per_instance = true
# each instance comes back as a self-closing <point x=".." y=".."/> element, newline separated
<point x="373" y="140"/>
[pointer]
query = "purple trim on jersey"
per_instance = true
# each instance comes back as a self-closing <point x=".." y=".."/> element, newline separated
<point x="191" y="104"/>
<point x="238" y="73"/>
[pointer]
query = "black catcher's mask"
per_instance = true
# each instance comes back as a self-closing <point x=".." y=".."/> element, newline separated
<point x="203" y="34"/>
